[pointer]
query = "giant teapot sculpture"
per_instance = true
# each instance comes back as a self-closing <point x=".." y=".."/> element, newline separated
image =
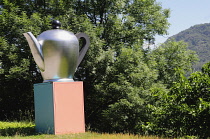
<point x="56" y="52"/>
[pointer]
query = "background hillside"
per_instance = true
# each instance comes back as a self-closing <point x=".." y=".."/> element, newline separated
<point x="198" y="38"/>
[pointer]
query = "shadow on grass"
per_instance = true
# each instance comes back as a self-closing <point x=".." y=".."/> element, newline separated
<point x="22" y="131"/>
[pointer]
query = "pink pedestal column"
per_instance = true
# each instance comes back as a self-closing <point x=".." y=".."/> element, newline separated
<point x="59" y="107"/>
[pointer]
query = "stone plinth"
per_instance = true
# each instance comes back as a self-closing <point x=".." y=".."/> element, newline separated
<point x="59" y="107"/>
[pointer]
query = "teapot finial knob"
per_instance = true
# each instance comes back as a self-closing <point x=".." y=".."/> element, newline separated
<point x="56" y="24"/>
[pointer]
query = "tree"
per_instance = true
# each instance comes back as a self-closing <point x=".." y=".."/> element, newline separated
<point x="172" y="59"/>
<point x="198" y="40"/>
<point x="18" y="71"/>
<point x="187" y="108"/>
<point x="121" y="70"/>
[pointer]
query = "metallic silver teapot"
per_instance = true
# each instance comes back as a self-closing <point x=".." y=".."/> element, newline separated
<point x="56" y="52"/>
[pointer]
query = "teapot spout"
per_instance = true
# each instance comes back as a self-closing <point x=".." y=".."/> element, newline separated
<point x="35" y="50"/>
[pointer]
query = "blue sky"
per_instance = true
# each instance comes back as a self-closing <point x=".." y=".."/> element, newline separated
<point x="184" y="14"/>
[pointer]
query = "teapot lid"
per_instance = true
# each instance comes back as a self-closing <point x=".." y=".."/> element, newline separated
<point x="56" y="34"/>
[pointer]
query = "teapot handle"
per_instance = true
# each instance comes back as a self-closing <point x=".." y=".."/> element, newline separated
<point x="84" y="47"/>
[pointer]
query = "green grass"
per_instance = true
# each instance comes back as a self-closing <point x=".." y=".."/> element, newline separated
<point x="16" y="128"/>
<point x="26" y="130"/>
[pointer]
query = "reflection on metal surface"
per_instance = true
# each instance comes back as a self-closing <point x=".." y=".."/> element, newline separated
<point x="56" y="52"/>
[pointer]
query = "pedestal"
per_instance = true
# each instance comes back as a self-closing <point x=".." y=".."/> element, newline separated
<point x="59" y="107"/>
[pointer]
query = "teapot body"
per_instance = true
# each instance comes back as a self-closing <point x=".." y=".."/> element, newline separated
<point x="60" y="51"/>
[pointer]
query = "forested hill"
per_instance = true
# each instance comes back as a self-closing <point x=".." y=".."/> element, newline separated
<point x="198" y="38"/>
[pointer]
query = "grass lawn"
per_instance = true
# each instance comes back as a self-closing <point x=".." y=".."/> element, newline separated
<point x="26" y="130"/>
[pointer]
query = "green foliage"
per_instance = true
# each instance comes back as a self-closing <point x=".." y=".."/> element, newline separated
<point x="16" y="128"/>
<point x="16" y="76"/>
<point x="126" y="88"/>
<point x="187" y="108"/>
<point x="172" y="58"/>
<point x="198" y="40"/>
